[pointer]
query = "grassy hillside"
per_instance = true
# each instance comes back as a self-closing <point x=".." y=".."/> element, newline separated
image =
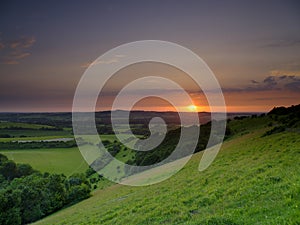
<point x="254" y="180"/>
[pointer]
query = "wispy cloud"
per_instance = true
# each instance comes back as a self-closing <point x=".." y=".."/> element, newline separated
<point x="19" y="55"/>
<point x="9" y="62"/>
<point x="23" y="42"/>
<point x="11" y="52"/>
<point x="108" y="61"/>
<point x="282" y="43"/>
<point x="285" y="72"/>
<point x="120" y="56"/>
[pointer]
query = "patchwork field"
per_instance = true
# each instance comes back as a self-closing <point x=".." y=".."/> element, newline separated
<point x="54" y="160"/>
<point x="254" y="180"/>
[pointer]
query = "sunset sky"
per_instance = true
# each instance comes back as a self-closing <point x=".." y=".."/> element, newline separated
<point x="253" y="48"/>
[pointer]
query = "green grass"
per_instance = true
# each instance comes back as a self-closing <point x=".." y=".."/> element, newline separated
<point x="125" y="154"/>
<point x="254" y="180"/>
<point x="248" y="125"/>
<point x="58" y="160"/>
<point x="29" y="130"/>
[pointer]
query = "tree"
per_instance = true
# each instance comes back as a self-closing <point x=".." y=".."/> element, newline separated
<point x="10" y="207"/>
<point x="89" y="172"/>
<point x="55" y="194"/>
<point x="24" y="170"/>
<point x="78" y="193"/>
<point x="78" y="188"/>
<point x="31" y="190"/>
<point x="8" y="169"/>
<point x="3" y="158"/>
<point x="27" y="195"/>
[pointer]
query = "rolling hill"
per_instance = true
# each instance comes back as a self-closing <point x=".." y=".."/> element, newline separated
<point x="254" y="180"/>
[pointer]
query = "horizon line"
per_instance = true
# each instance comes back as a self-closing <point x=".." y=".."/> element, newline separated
<point x="169" y="111"/>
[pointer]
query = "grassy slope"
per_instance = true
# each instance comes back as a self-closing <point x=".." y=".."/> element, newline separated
<point x="253" y="180"/>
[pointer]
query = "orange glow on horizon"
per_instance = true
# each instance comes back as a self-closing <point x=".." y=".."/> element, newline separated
<point x="192" y="108"/>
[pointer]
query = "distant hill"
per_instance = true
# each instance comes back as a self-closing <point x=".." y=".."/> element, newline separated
<point x="294" y="109"/>
<point x="137" y="117"/>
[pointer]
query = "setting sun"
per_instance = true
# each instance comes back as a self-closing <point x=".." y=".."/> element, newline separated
<point x="192" y="108"/>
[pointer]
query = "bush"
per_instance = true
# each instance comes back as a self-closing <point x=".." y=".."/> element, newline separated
<point x="77" y="193"/>
<point x="274" y="130"/>
<point x="89" y="172"/>
<point x="24" y="170"/>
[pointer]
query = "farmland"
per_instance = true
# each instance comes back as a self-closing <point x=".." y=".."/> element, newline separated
<point x="253" y="180"/>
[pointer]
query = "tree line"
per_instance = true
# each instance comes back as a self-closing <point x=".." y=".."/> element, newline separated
<point x="10" y="145"/>
<point x="27" y="195"/>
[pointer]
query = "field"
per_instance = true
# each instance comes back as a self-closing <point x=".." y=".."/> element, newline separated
<point x="254" y="180"/>
<point x="54" y="160"/>
<point x="57" y="160"/>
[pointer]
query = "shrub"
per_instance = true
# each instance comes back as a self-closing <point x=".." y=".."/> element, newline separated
<point x="274" y="130"/>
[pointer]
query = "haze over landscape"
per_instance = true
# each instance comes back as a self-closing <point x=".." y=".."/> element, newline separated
<point x="253" y="48"/>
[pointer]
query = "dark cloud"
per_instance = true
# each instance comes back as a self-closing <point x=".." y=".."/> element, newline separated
<point x="280" y="83"/>
<point x="293" y="86"/>
<point x="282" y="77"/>
<point x="270" y="81"/>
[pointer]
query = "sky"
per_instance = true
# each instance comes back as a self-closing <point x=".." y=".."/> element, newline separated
<point x="252" y="47"/>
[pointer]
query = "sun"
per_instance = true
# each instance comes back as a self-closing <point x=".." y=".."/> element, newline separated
<point x="192" y="108"/>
